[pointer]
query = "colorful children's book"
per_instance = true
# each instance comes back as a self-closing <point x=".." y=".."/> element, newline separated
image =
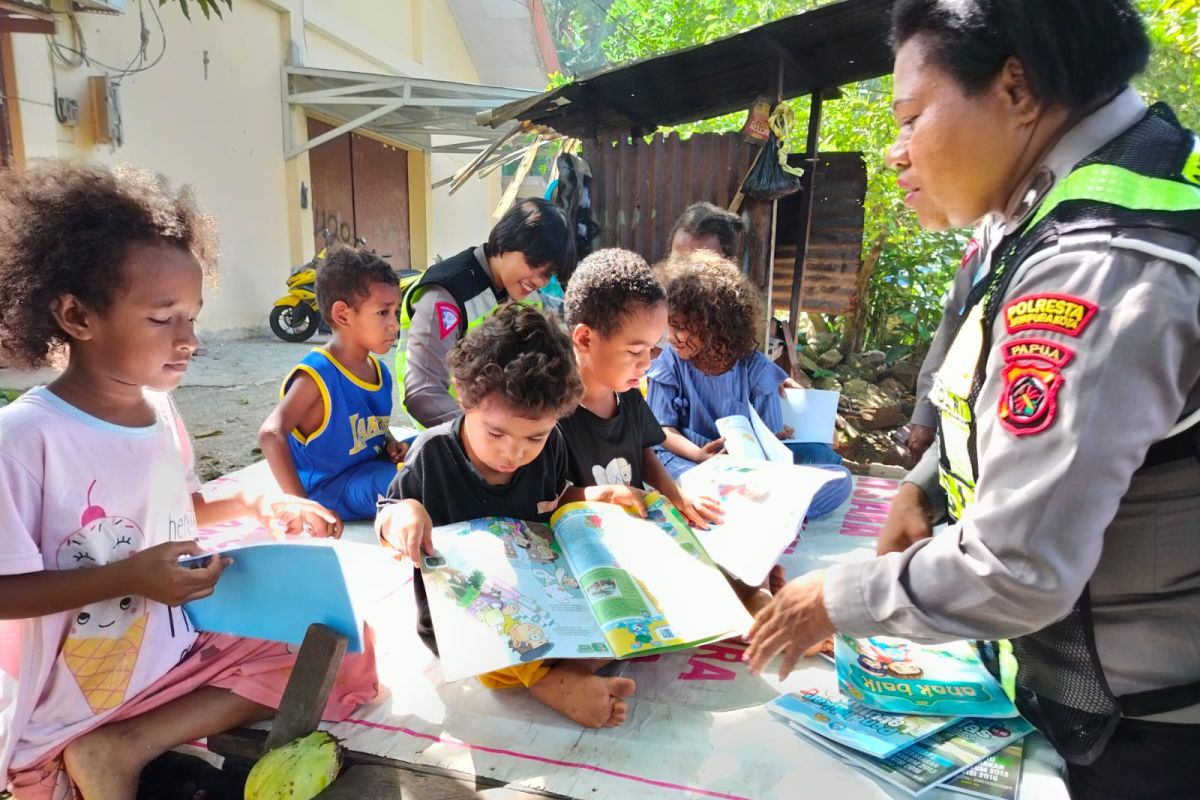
<point x="597" y="583"/>
<point x="764" y="504"/>
<point x="932" y="761"/>
<point x="997" y="777"/>
<point x="829" y="714"/>
<point x="896" y="675"/>
<point x="275" y="590"/>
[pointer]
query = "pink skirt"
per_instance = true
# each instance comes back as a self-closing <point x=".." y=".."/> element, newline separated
<point x="250" y="668"/>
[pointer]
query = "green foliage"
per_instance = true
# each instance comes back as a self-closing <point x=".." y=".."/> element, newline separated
<point x="906" y="290"/>
<point x="207" y="7"/>
<point x="579" y="29"/>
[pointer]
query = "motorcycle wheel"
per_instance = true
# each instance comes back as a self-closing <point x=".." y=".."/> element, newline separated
<point x="294" y="323"/>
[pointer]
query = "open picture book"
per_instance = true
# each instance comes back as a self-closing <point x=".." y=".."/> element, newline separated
<point x="810" y="413"/>
<point x="764" y="503"/>
<point x="598" y="582"/>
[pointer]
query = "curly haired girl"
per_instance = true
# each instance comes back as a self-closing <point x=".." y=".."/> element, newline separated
<point x="712" y="367"/>
<point x="100" y="671"/>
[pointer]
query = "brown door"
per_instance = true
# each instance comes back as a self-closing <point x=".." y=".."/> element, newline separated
<point x="360" y="189"/>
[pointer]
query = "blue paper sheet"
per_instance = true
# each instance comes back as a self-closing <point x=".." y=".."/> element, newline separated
<point x="275" y="591"/>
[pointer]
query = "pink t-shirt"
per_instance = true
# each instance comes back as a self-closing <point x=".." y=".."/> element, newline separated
<point x="78" y="492"/>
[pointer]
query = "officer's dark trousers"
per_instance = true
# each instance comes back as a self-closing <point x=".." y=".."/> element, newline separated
<point x="1143" y="761"/>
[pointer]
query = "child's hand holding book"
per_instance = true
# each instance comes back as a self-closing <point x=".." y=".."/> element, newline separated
<point x="405" y="526"/>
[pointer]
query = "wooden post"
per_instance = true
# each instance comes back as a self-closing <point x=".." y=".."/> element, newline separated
<point x="308" y="688"/>
<point x="808" y="187"/>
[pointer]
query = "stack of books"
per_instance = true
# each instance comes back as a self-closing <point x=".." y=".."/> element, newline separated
<point x="916" y="717"/>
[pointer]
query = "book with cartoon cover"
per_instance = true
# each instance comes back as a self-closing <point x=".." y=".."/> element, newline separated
<point x="997" y="777"/>
<point x="764" y="503"/>
<point x="828" y="713"/>
<point x="598" y="582"/>
<point x="935" y="760"/>
<point x="895" y="675"/>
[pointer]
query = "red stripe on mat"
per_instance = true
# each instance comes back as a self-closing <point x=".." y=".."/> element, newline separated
<point x="543" y="760"/>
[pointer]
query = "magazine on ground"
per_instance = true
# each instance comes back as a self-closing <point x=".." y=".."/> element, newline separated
<point x="933" y="761"/>
<point x="997" y="777"/>
<point x="827" y="712"/>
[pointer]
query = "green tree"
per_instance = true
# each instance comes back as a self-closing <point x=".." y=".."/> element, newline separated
<point x="912" y="267"/>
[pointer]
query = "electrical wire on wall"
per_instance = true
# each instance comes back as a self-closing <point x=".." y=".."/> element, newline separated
<point x="77" y="56"/>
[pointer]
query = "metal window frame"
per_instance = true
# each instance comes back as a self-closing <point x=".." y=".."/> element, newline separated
<point x="443" y="109"/>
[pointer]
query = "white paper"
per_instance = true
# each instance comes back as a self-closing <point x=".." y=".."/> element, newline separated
<point x="764" y="505"/>
<point x="811" y="413"/>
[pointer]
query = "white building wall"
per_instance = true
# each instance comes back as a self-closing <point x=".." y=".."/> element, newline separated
<point x="222" y="131"/>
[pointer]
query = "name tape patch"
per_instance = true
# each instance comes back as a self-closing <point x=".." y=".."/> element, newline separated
<point x="1059" y="313"/>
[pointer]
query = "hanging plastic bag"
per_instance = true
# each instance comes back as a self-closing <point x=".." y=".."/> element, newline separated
<point x="772" y="177"/>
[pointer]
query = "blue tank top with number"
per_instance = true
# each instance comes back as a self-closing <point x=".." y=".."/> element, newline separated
<point x="354" y="426"/>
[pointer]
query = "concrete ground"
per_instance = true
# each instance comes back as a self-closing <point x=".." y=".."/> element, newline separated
<point x="231" y="386"/>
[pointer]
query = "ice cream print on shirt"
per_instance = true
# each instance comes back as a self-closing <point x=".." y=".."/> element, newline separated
<point x="618" y="472"/>
<point x="105" y="638"/>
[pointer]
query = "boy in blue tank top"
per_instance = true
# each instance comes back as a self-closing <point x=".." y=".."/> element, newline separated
<point x="328" y="438"/>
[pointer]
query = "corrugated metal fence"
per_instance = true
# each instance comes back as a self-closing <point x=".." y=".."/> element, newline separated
<point x="639" y="189"/>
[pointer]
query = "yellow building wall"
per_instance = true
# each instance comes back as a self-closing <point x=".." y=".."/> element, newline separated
<point x="222" y="132"/>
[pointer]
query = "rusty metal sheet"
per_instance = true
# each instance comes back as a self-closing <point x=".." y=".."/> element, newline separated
<point x="641" y="188"/>
<point x="830" y="274"/>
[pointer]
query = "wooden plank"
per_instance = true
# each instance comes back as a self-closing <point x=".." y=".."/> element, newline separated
<point x="376" y="783"/>
<point x="309" y="686"/>
<point x="246" y="744"/>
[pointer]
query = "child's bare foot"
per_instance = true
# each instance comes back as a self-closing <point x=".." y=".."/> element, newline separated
<point x="584" y="697"/>
<point x="776" y="579"/>
<point x="756" y="600"/>
<point x="102" y="766"/>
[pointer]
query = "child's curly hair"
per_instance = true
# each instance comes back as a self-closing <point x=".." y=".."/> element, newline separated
<point x="606" y="286"/>
<point x="522" y="356"/>
<point x="708" y="297"/>
<point x="65" y="228"/>
<point x="346" y="274"/>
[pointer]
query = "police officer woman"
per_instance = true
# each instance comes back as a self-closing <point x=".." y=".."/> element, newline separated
<point x="1066" y="463"/>
<point x="530" y="243"/>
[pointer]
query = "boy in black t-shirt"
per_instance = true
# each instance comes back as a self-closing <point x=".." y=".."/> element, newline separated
<point x="616" y="311"/>
<point x="515" y="377"/>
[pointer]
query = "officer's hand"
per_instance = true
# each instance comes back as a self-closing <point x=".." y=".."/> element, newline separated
<point x="909" y="520"/>
<point x="919" y="439"/>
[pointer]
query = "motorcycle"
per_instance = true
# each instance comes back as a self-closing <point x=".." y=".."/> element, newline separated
<point x="295" y="317"/>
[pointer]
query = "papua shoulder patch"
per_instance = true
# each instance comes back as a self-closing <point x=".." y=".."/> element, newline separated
<point x="1060" y="313"/>
<point x="447" y="317"/>
<point x="1032" y="377"/>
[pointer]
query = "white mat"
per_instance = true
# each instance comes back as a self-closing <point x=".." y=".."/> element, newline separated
<point x="696" y="726"/>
